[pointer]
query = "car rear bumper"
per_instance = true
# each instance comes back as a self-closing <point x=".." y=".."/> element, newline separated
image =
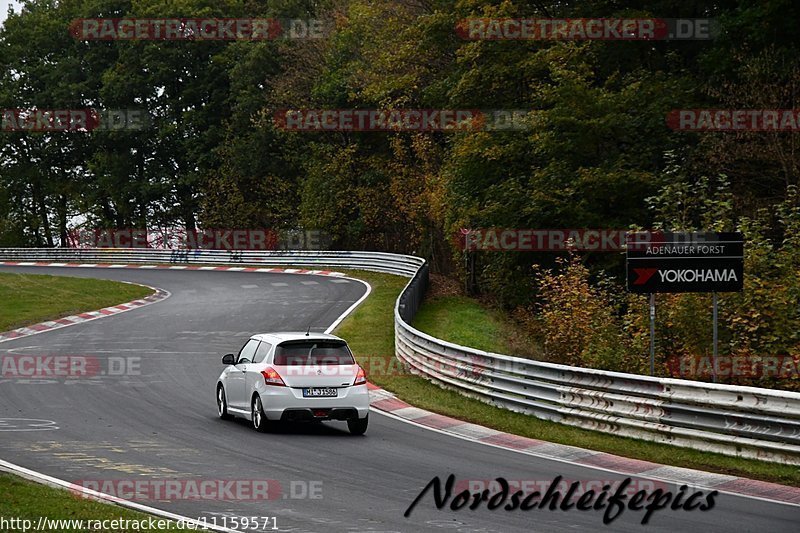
<point x="287" y="404"/>
<point x="308" y="414"/>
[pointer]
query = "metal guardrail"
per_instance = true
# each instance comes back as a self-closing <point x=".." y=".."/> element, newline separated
<point x="374" y="261"/>
<point x="740" y="421"/>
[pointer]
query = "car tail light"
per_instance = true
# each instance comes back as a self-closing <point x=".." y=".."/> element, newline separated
<point x="361" y="377"/>
<point x="271" y="377"/>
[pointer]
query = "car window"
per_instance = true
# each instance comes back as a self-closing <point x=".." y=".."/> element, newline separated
<point x="247" y="352"/>
<point x="262" y="351"/>
<point x="297" y="353"/>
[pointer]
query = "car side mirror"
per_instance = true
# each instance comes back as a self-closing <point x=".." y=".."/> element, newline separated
<point x="228" y="359"/>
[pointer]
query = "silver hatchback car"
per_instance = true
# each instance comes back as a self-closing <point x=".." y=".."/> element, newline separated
<point x="294" y="377"/>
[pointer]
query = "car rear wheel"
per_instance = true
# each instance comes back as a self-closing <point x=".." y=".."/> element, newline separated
<point x="358" y="426"/>
<point x="260" y="422"/>
<point x="222" y="404"/>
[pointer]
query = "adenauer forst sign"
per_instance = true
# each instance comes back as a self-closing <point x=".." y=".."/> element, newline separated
<point x="684" y="262"/>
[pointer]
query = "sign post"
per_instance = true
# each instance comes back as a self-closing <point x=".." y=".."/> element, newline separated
<point x="652" y="334"/>
<point x="684" y="262"/>
<point x="714" y="356"/>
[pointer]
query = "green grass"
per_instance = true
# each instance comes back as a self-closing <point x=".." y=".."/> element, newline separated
<point x="464" y="321"/>
<point x="27" y="298"/>
<point x="26" y="500"/>
<point x="369" y="331"/>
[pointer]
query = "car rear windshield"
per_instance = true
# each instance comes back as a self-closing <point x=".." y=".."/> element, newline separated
<point x="298" y="353"/>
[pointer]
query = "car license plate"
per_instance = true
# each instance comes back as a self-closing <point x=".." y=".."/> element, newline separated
<point x="326" y="392"/>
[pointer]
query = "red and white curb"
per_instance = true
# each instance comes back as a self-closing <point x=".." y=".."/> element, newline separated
<point x="157" y="296"/>
<point x="387" y="403"/>
<point x="178" y="267"/>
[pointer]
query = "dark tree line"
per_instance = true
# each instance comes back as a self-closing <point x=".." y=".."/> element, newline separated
<point x="598" y="155"/>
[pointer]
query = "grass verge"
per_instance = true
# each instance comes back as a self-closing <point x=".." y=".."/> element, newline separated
<point x="370" y="333"/>
<point x="31" y="298"/>
<point x="25" y="500"/>
<point x="464" y="321"/>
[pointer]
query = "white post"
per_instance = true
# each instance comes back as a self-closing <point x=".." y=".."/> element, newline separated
<point x="714" y="357"/>
<point x="652" y="334"/>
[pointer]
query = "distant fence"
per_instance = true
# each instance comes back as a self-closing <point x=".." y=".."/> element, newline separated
<point x="732" y="420"/>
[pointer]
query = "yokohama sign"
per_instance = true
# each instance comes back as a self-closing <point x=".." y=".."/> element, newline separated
<point x="685" y="262"/>
<point x="700" y="276"/>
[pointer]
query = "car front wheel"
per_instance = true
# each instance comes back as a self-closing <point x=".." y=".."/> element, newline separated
<point x="358" y="426"/>
<point x="222" y="404"/>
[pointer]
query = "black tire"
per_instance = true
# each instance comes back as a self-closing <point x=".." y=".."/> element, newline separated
<point x="358" y="426"/>
<point x="259" y="419"/>
<point x="222" y="404"/>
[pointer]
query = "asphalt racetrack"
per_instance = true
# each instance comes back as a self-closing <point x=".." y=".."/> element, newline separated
<point x="157" y="421"/>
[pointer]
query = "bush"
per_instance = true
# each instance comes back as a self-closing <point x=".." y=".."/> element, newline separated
<point x="590" y="321"/>
<point x="578" y="322"/>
